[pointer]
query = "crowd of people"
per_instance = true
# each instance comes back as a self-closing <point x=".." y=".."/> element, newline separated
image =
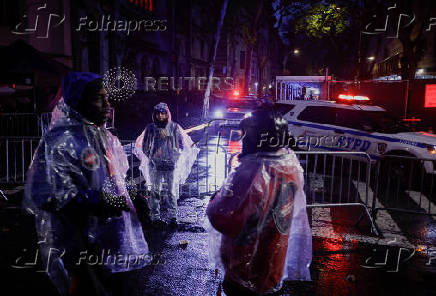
<point x="258" y="228"/>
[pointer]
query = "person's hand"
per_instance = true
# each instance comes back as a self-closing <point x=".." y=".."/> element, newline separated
<point x="50" y="206"/>
<point x="213" y="195"/>
<point x="133" y="194"/>
<point x="132" y="190"/>
<point x="113" y="205"/>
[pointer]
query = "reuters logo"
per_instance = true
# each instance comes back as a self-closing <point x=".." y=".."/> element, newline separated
<point x="120" y="83"/>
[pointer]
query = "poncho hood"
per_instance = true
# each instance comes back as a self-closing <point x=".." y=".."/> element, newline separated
<point x="73" y="86"/>
<point x="161" y="107"/>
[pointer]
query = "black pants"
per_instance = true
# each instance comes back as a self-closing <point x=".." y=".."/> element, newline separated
<point x="89" y="280"/>
<point x="233" y="289"/>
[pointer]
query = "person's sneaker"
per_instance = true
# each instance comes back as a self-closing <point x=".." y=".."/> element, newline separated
<point x="173" y="223"/>
<point x="159" y="224"/>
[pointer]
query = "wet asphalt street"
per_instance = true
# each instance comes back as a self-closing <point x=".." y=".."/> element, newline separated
<point x="347" y="259"/>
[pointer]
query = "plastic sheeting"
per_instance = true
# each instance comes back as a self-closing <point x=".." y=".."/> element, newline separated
<point x="170" y="144"/>
<point x="74" y="162"/>
<point x="259" y="232"/>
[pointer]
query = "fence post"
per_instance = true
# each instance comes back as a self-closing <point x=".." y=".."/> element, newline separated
<point x="7" y="160"/>
<point x="374" y="198"/>
<point x="22" y="161"/>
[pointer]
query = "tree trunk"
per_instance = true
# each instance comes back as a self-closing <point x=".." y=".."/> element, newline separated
<point x="212" y="60"/>
<point x="285" y="62"/>
<point x="250" y="46"/>
<point x="233" y="63"/>
<point x="247" y="76"/>
<point x="262" y="61"/>
<point x="413" y="42"/>
<point x="259" y="85"/>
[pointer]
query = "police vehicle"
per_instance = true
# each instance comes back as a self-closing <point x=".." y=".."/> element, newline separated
<point x="232" y="109"/>
<point x="338" y="126"/>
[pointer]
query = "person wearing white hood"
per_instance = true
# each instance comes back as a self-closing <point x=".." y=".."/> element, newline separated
<point x="167" y="154"/>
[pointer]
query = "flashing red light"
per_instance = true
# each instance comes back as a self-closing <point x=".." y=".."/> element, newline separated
<point x="361" y="98"/>
<point x="353" y="98"/>
<point x="236" y="93"/>
<point x="346" y="97"/>
<point x="413" y="119"/>
<point x="430" y="96"/>
<point x="147" y="4"/>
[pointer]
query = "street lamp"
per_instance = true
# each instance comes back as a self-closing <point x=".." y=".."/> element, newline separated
<point x="296" y="51"/>
<point x="371" y="58"/>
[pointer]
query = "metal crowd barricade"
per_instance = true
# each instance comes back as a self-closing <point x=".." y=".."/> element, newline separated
<point x="207" y="174"/>
<point x="332" y="179"/>
<point x="406" y="184"/>
<point x="44" y="121"/>
<point x="19" y="125"/>
<point x="337" y="179"/>
<point x="16" y="154"/>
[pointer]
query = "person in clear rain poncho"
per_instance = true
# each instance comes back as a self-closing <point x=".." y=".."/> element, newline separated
<point x="167" y="154"/>
<point x="85" y="220"/>
<point x="259" y="232"/>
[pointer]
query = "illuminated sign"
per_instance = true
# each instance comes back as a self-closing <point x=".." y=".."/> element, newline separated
<point x="147" y="4"/>
<point x="430" y="96"/>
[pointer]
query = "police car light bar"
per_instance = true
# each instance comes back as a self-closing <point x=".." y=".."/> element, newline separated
<point x="353" y="98"/>
<point x="413" y="119"/>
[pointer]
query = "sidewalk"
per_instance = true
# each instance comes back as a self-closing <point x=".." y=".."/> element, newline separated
<point x="338" y="266"/>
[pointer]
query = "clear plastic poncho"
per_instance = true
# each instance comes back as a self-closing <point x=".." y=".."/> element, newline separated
<point x="75" y="160"/>
<point x="259" y="232"/>
<point x="175" y="146"/>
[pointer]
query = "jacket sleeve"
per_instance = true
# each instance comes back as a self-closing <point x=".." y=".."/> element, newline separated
<point x="56" y="179"/>
<point x="119" y="155"/>
<point x="180" y="133"/>
<point x="146" y="144"/>
<point x="237" y="201"/>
